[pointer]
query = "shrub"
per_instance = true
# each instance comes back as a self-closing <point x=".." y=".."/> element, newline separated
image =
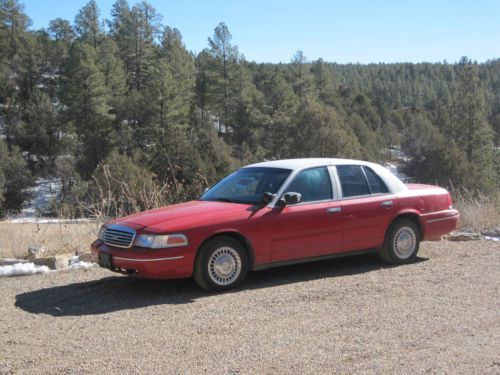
<point x="477" y="211"/>
<point x="121" y="186"/>
<point x="15" y="178"/>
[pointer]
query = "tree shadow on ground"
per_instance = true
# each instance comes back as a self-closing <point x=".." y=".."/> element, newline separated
<point x="117" y="293"/>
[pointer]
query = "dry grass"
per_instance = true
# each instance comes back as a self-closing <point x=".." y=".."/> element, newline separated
<point x="477" y="211"/>
<point x="59" y="238"/>
<point x="111" y="196"/>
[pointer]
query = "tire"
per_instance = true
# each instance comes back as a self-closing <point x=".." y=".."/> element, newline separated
<point x="221" y="264"/>
<point x="401" y="243"/>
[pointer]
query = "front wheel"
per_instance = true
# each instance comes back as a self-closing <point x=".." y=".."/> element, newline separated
<point x="221" y="264"/>
<point x="401" y="243"/>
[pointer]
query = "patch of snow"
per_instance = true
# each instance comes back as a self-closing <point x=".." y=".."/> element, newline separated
<point x="391" y="167"/>
<point x="490" y="238"/>
<point x="395" y="170"/>
<point x="76" y="264"/>
<point x="398" y="157"/>
<point x="22" y="269"/>
<point x="44" y="193"/>
<point x="397" y="154"/>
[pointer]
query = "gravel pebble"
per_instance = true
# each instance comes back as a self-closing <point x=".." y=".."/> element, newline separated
<point x="349" y="315"/>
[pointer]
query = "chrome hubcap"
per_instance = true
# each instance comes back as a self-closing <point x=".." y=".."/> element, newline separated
<point x="224" y="266"/>
<point x="405" y="242"/>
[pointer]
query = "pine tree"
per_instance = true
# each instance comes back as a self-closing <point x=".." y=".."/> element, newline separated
<point x="62" y="35"/>
<point x="222" y="71"/>
<point x="320" y="131"/>
<point x="110" y="64"/>
<point x="366" y="138"/>
<point x="87" y="98"/>
<point x="29" y="67"/>
<point x="120" y="29"/>
<point x="13" y="27"/>
<point x="88" y="27"/>
<point x="15" y="177"/>
<point x="145" y="25"/>
<point x="300" y="75"/>
<point x="202" y="82"/>
<point x="246" y="117"/>
<point x="279" y="94"/>
<point x="323" y="82"/>
<point x="434" y="158"/>
<point x="161" y="96"/>
<point x="495" y="124"/>
<point x="61" y="30"/>
<point x="40" y="132"/>
<point x="181" y="66"/>
<point x="470" y="128"/>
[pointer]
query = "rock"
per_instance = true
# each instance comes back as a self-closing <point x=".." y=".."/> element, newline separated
<point x="56" y="262"/>
<point x="85" y="257"/>
<point x="48" y="261"/>
<point x="11" y="261"/>
<point x="464" y="236"/>
<point x="491" y="232"/>
<point x="62" y="261"/>
<point x="37" y="251"/>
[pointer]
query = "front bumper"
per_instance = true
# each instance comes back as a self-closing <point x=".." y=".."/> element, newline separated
<point x="170" y="263"/>
<point x="437" y="224"/>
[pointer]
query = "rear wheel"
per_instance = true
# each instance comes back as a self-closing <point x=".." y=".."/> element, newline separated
<point x="401" y="243"/>
<point x="221" y="264"/>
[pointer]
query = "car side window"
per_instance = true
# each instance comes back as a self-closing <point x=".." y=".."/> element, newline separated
<point x="353" y="180"/>
<point x="377" y="186"/>
<point x="313" y="184"/>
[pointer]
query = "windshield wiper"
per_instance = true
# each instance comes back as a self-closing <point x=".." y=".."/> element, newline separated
<point x="221" y="199"/>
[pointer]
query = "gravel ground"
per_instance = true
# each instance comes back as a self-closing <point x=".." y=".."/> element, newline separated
<point x="350" y="315"/>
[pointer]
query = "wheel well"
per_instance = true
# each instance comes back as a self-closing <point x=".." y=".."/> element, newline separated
<point x="238" y="237"/>
<point x="412" y="217"/>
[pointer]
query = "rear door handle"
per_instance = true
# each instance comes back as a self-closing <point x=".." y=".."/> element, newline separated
<point x="334" y="210"/>
<point x="387" y="204"/>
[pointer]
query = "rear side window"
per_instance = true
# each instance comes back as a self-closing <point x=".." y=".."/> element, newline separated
<point x="352" y="180"/>
<point x="377" y="186"/>
<point x="313" y="184"/>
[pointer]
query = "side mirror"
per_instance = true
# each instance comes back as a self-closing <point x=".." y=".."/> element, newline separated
<point x="290" y="198"/>
<point x="267" y="197"/>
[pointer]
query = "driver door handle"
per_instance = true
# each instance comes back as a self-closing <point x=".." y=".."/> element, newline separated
<point x="334" y="210"/>
<point x="387" y="204"/>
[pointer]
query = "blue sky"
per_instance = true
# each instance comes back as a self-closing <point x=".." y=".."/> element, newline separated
<point x="336" y="30"/>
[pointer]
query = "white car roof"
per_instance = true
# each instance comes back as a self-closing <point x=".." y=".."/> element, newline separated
<point x="393" y="183"/>
<point x="307" y="162"/>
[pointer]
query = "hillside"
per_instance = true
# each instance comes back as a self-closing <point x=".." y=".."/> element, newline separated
<point x="122" y="109"/>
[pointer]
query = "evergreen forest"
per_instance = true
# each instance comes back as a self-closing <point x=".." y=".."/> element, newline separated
<point x="123" y="114"/>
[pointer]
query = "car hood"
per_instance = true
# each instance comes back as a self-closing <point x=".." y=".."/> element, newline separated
<point x="186" y="215"/>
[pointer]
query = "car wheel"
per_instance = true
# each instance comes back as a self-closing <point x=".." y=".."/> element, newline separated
<point x="401" y="243"/>
<point x="221" y="264"/>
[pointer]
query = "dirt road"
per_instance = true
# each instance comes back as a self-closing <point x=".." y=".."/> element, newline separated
<point x="352" y="315"/>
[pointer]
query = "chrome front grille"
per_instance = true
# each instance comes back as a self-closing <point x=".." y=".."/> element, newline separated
<point x="116" y="235"/>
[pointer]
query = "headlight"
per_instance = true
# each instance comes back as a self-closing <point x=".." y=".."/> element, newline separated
<point x="101" y="233"/>
<point x="154" y="241"/>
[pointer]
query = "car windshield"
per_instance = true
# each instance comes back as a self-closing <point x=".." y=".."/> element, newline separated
<point x="247" y="185"/>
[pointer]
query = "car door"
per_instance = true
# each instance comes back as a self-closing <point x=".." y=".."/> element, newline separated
<point x="309" y="228"/>
<point x="367" y="207"/>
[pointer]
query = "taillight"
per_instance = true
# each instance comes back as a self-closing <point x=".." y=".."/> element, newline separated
<point x="450" y="203"/>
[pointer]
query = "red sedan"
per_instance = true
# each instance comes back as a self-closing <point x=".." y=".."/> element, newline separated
<point x="275" y="213"/>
